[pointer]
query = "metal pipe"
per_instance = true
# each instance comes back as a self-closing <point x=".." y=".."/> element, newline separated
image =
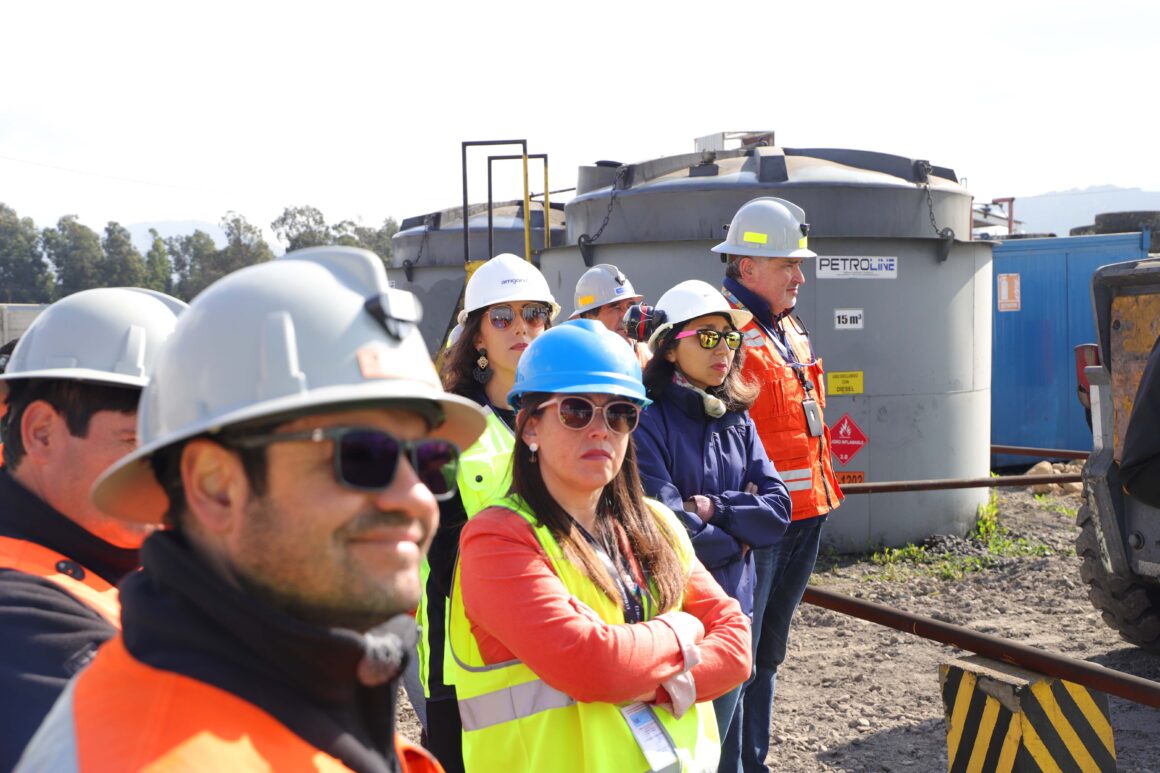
<point x="547" y="208"/>
<point x="527" y="209"/>
<point x="523" y="144"/>
<point x="490" y="211"/>
<point x="1128" y="686"/>
<point x="1057" y="453"/>
<point x="466" y="251"/>
<point x="957" y="483"/>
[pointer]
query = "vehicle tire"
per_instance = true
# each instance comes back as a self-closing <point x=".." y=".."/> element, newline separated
<point x="1127" y="605"/>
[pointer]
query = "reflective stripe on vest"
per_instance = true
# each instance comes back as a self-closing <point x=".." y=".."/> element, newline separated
<point x="804" y="463"/>
<point x="121" y="714"/>
<point x="513" y="720"/>
<point x="39" y="561"/>
<point x="484" y="476"/>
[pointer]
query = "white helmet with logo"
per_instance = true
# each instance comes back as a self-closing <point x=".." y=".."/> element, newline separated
<point x="317" y="329"/>
<point x="689" y="300"/>
<point x="506" y="278"/>
<point x="110" y="335"/>
<point x="600" y="285"/>
<point x="768" y="227"/>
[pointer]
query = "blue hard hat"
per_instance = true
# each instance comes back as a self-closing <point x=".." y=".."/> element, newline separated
<point x="581" y="356"/>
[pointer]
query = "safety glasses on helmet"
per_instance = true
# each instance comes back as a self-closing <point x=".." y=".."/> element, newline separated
<point x="577" y="413"/>
<point x="709" y="338"/>
<point x="367" y="459"/>
<point x="534" y="314"/>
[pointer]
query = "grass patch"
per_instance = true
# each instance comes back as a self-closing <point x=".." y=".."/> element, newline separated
<point x="982" y="548"/>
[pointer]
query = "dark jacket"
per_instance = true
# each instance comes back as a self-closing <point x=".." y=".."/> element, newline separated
<point x="682" y="452"/>
<point x="46" y="633"/>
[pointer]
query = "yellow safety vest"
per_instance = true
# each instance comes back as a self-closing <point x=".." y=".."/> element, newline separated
<point x="485" y="475"/>
<point x="513" y="721"/>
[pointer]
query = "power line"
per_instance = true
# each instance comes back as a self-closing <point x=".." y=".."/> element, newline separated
<point x="103" y="176"/>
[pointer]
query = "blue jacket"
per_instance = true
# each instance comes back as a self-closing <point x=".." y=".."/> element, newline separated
<point x="681" y="452"/>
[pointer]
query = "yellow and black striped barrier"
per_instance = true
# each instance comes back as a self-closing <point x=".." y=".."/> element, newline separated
<point x="1004" y="718"/>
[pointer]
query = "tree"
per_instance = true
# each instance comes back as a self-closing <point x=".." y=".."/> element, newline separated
<point x="301" y="227"/>
<point x="158" y="267"/>
<point x="24" y="276"/>
<point x="123" y="265"/>
<point x="245" y="245"/>
<point x="193" y="257"/>
<point x="199" y="263"/>
<point x="377" y="240"/>
<point x="75" y="252"/>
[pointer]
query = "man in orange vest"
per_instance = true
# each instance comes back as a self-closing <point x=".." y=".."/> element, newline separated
<point x="71" y="388"/>
<point x="294" y="439"/>
<point x="764" y="250"/>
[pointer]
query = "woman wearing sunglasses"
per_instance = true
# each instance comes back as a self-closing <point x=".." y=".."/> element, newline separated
<point x="699" y="452"/>
<point x="583" y="630"/>
<point x="507" y="305"/>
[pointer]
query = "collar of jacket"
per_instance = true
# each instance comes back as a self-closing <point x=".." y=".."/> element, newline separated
<point x="179" y="615"/>
<point x="690" y="403"/>
<point x="23" y="515"/>
<point x="753" y="303"/>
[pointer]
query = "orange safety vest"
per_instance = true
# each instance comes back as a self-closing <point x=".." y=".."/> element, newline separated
<point x="121" y="714"/>
<point x="803" y="462"/>
<point x="84" y="585"/>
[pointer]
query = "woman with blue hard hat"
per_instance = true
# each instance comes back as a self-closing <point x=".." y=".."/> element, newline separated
<point x="700" y="454"/>
<point x="584" y="632"/>
<point x="506" y="305"/>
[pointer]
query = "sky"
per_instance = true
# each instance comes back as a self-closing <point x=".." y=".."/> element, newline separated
<point x="147" y="111"/>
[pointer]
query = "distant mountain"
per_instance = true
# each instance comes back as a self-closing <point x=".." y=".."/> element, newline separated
<point x="1060" y="211"/>
<point x="166" y="228"/>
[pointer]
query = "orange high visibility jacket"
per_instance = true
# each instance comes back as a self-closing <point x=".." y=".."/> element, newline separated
<point x="92" y="591"/>
<point x="804" y="462"/>
<point x="121" y="714"/>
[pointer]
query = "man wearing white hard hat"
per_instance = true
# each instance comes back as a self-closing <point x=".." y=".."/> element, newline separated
<point x="604" y="293"/>
<point x="295" y="439"/>
<point x="69" y="410"/>
<point x="763" y="251"/>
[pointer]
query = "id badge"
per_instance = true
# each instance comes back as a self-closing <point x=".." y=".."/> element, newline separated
<point x="654" y="742"/>
<point x="813" y="417"/>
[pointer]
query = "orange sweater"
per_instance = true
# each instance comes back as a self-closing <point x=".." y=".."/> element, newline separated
<point x="519" y="608"/>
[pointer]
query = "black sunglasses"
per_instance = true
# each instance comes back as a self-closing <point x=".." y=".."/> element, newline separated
<point x="534" y="314"/>
<point x="709" y="338"/>
<point x="367" y="459"/>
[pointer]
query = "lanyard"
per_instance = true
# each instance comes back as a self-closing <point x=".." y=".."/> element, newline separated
<point x="631" y="598"/>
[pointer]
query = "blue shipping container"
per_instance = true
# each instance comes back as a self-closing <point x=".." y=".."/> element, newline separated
<point x="1041" y="311"/>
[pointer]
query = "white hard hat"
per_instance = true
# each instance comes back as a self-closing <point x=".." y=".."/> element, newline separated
<point x="600" y="285"/>
<point x="768" y="227"/>
<point x="110" y="335"/>
<point x="689" y="300"/>
<point x="317" y="329"/>
<point x="506" y="278"/>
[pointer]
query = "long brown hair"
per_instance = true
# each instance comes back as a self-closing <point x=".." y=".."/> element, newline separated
<point x="621" y="502"/>
<point x="736" y="391"/>
<point x="459" y="361"/>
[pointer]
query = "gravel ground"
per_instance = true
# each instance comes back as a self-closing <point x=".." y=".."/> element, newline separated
<point x="855" y="696"/>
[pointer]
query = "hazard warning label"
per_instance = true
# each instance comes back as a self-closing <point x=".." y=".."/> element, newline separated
<point x="846" y="439"/>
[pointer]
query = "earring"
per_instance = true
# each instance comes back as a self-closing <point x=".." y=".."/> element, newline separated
<point x="532" y="448"/>
<point x="481" y="372"/>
